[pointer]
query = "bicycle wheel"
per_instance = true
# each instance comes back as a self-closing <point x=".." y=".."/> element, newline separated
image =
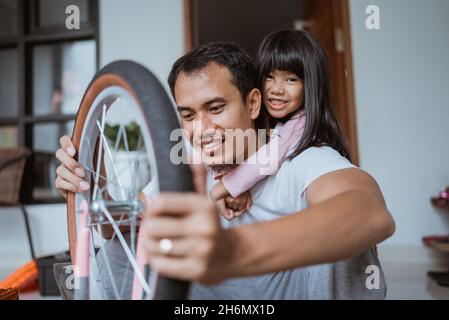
<point x="122" y="136"/>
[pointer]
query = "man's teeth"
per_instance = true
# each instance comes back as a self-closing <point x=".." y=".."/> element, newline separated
<point x="212" y="144"/>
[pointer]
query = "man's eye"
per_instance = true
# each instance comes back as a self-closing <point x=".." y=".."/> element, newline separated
<point x="187" y="116"/>
<point x="216" y="109"/>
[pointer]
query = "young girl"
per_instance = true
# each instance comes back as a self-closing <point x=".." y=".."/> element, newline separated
<point x="291" y="64"/>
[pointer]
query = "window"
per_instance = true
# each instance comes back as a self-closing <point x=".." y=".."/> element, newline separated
<point x="44" y="71"/>
<point x="9" y="82"/>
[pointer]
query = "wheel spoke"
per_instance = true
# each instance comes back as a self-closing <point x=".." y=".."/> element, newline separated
<point x="133" y="180"/>
<point x="103" y="114"/>
<point x="107" y="263"/>
<point x="110" y="181"/>
<point x="127" y="251"/>
<point x="108" y="152"/>
<point x="118" y="138"/>
<point x="133" y="227"/>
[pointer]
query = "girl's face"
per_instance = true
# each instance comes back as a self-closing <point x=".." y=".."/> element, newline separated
<point x="283" y="93"/>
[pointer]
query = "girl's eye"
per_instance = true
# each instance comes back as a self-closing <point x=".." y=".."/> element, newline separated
<point x="269" y="77"/>
<point x="292" y="80"/>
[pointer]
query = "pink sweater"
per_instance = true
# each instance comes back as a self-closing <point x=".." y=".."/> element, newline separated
<point x="247" y="174"/>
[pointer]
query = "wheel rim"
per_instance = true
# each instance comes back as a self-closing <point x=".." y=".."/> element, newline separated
<point x="114" y="99"/>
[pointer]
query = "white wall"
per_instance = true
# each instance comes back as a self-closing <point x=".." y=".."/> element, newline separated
<point x="402" y="98"/>
<point x="148" y="32"/>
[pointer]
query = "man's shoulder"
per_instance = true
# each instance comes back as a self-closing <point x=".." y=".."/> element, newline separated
<point x="317" y="155"/>
<point x="311" y="164"/>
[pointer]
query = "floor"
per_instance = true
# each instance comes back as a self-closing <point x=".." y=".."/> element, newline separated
<point x="25" y="296"/>
<point x="405" y="282"/>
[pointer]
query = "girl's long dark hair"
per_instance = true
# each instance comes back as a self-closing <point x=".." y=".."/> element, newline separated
<point x="299" y="52"/>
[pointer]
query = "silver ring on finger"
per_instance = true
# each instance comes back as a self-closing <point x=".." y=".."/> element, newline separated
<point x="166" y="246"/>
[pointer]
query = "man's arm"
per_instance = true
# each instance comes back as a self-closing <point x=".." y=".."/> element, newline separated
<point x="346" y="216"/>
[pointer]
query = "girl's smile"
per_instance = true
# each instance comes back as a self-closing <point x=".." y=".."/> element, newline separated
<point x="277" y="104"/>
<point x="283" y="93"/>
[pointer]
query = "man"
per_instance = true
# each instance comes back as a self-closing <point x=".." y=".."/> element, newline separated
<point x="312" y="226"/>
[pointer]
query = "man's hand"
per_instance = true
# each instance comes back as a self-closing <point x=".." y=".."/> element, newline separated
<point x="201" y="248"/>
<point x="69" y="174"/>
<point x="199" y="173"/>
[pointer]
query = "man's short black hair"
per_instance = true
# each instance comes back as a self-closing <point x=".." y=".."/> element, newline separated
<point x="225" y="54"/>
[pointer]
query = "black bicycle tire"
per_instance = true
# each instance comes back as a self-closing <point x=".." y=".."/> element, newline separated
<point x="161" y="120"/>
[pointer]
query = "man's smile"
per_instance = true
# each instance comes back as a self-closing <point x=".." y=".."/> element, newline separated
<point x="211" y="144"/>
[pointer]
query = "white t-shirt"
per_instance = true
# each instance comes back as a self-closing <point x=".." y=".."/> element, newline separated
<point x="274" y="197"/>
<point x="282" y="194"/>
<point x="285" y="192"/>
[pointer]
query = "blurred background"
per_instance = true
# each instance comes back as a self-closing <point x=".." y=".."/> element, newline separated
<point x="390" y="86"/>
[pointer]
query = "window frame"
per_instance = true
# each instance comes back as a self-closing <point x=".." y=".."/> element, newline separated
<point x="28" y="36"/>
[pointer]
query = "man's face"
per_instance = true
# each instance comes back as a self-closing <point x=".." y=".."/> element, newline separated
<point x="209" y="103"/>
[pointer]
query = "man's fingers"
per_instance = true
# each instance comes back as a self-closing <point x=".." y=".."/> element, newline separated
<point x="177" y="268"/>
<point x="63" y="186"/>
<point x="153" y="248"/>
<point x="67" y="145"/>
<point x="73" y="179"/>
<point x="166" y="227"/>
<point x="69" y="162"/>
<point x="182" y="247"/>
<point x="178" y="204"/>
<point x="199" y="177"/>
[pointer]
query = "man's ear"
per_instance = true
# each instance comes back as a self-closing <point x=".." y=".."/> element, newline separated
<point x="254" y="102"/>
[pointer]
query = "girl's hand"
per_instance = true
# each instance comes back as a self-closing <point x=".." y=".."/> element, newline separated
<point x="226" y="212"/>
<point x="239" y="205"/>
<point x="220" y="195"/>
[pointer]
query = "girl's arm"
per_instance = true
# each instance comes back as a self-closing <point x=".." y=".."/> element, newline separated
<point x="219" y="191"/>
<point x="246" y="175"/>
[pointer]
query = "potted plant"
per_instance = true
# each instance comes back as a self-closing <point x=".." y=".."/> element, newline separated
<point x="131" y="162"/>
